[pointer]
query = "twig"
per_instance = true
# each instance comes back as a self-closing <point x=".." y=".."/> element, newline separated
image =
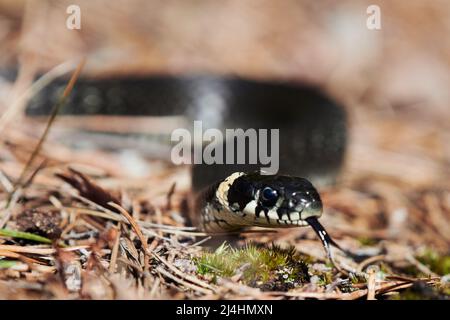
<point x="423" y="268"/>
<point x="15" y="255"/>
<point x="115" y="251"/>
<point x="169" y="196"/>
<point x="33" y="89"/>
<point x="105" y="215"/>
<point x="183" y="275"/>
<point x="371" y="282"/>
<point x="135" y="266"/>
<point x="53" y="115"/>
<point x="136" y="229"/>
<point x="147" y="224"/>
<point x="133" y="223"/>
<point x="182" y="282"/>
<point x="157" y="235"/>
<point x="196" y="244"/>
<point x="34" y="173"/>
<point x="325" y="295"/>
<point x="7" y="185"/>
<point x="368" y="261"/>
<point x="154" y="288"/>
<point x="37" y="250"/>
<point x="10" y="206"/>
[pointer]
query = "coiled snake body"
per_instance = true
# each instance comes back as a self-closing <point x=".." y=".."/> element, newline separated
<point x="234" y="196"/>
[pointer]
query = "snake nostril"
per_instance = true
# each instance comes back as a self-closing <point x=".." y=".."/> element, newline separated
<point x="315" y="205"/>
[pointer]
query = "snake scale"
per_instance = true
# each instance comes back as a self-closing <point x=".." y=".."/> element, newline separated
<point x="231" y="197"/>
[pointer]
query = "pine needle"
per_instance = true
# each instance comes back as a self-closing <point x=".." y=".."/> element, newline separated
<point x="59" y="104"/>
<point x="23" y="235"/>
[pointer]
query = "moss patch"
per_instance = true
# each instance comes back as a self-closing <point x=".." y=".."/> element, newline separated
<point x="420" y="291"/>
<point x="269" y="268"/>
<point x="366" y="241"/>
<point x="437" y="263"/>
<point x="5" y="264"/>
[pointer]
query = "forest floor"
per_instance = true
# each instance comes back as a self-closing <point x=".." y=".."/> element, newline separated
<point x="76" y="224"/>
<point x="81" y="224"/>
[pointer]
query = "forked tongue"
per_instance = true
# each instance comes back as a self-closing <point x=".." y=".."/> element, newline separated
<point x="323" y="235"/>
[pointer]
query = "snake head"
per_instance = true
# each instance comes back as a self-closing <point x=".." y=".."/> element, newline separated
<point x="253" y="199"/>
<point x="274" y="200"/>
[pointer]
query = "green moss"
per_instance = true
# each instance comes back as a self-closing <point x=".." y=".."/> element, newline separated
<point x="445" y="290"/>
<point x="5" y="264"/>
<point x="365" y="241"/>
<point x="412" y="271"/>
<point x="385" y="268"/>
<point x="325" y="278"/>
<point x="356" y="279"/>
<point x="437" y="263"/>
<point x="265" y="267"/>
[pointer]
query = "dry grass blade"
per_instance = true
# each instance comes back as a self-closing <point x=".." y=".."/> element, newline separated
<point x="170" y="195"/>
<point x="136" y="229"/>
<point x="89" y="189"/>
<point x="53" y="115"/>
<point x="37" y="250"/>
<point x="325" y="295"/>
<point x="34" y="173"/>
<point x="35" y="87"/>
<point x="6" y="183"/>
<point x="12" y="201"/>
<point x="115" y="252"/>
<point x="133" y="223"/>
<point x="20" y="257"/>
<point x="100" y="214"/>
<point x="183" y="275"/>
<point x="371" y="283"/>
<point x="182" y="282"/>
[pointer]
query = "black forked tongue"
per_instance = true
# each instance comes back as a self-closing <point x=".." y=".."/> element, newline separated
<point x="323" y="235"/>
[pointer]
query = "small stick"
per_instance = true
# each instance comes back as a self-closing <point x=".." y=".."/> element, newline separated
<point x="182" y="275"/>
<point x="138" y="231"/>
<point x="41" y="251"/>
<point x="368" y="261"/>
<point x="115" y="251"/>
<point x="53" y="115"/>
<point x="371" y="282"/>
<point x="182" y="282"/>
<point x="169" y="196"/>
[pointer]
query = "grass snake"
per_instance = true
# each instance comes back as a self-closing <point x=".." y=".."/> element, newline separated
<point x="230" y="197"/>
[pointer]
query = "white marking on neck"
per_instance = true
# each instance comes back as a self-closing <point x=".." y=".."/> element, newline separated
<point x="224" y="186"/>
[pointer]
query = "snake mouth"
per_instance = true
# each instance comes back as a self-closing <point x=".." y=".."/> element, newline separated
<point x="312" y="210"/>
<point x="323" y="235"/>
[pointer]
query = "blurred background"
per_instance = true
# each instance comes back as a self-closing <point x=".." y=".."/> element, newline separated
<point x="394" y="83"/>
<point x="398" y="73"/>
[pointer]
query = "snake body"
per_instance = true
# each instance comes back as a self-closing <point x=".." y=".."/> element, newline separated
<point x="232" y="197"/>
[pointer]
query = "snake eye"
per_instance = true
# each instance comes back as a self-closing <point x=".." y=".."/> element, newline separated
<point x="269" y="196"/>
